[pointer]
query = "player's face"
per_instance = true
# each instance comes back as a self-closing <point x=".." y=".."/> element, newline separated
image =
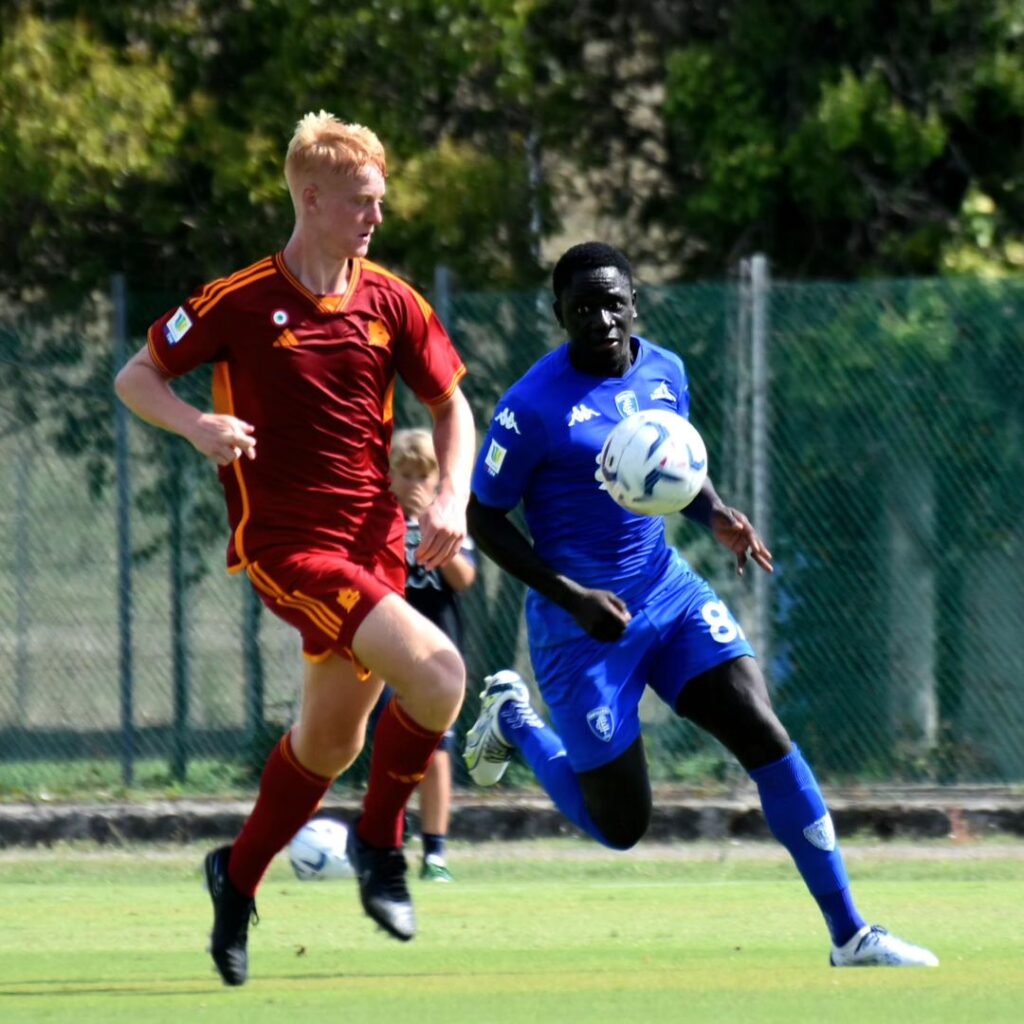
<point x="349" y="209"/>
<point x="597" y="309"/>
<point x="414" y="488"/>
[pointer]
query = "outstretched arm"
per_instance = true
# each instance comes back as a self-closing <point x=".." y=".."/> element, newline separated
<point x="600" y="613"/>
<point x="730" y="527"/>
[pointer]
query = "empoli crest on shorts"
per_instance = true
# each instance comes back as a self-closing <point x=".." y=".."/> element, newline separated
<point x="602" y="723"/>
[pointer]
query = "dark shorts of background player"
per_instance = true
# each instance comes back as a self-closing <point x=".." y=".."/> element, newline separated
<point x="325" y="595"/>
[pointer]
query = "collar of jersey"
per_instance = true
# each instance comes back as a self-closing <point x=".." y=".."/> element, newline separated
<point x="324" y="303"/>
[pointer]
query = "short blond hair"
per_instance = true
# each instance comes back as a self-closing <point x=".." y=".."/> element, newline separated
<point x="322" y="142"/>
<point x="414" y="446"/>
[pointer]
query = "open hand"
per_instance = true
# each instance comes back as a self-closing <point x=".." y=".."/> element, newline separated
<point x="732" y="529"/>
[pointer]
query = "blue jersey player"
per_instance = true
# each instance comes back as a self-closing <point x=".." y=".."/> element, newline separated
<point x="612" y="608"/>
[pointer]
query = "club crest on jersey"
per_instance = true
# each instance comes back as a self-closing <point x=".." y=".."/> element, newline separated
<point x="377" y="335"/>
<point x="177" y="327"/>
<point x="821" y="833"/>
<point x="507" y="418"/>
<point x="495" y="457"/>
<point x="280" y="317"/>
<point x="581" y="413"/>
<point x="664" y="392"/>
<point x="602" y="723"/>
<point x="627" y="404"/>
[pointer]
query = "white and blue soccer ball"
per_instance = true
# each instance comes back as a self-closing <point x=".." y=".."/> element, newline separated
<point x="653" y="463"/>
<point x="317" y="853"/>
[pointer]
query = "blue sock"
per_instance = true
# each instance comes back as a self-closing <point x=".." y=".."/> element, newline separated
<point x="797" y="816"/>
<point x="544" y="752"/>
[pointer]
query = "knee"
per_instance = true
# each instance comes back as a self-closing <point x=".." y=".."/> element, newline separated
<point x="621" y="824"/>
<point x="766" y="745"/>
<point x="623" y="832"/>
<point x="617" y="798"/>
<point x="446" y="679"/>
<point x="328" y="751"/>
<point x="432" y="695"/>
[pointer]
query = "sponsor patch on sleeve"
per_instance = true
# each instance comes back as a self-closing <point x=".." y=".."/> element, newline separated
<point x="495" y="457"/>
<point x="177" y="327"/>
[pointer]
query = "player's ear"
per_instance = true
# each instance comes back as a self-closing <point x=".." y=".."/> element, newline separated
<point x="636" y="308"/>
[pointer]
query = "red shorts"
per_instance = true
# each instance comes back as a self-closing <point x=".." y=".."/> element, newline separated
<point x="324" y="595"/>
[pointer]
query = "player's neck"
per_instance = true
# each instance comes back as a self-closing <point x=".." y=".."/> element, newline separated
<point x="321" y="273"/>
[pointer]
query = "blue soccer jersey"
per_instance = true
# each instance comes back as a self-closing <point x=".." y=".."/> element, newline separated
<point x="541" y="449"/>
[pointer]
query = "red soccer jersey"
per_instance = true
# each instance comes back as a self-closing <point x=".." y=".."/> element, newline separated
<point x="315" y="376"/>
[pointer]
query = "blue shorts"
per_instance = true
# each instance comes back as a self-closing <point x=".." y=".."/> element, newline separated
<point x="593" y="689"/>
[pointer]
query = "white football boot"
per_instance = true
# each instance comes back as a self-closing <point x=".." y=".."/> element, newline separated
<point x="487" y="753"/>
<point x="873" y="946"/>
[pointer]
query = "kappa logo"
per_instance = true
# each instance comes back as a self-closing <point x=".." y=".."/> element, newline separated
<point x="507" y="418"/>
<point x="602" y="723"/>
<point x="663" y="391"/>
<point x="581" y="413"/>
<point x="821" y="833"/>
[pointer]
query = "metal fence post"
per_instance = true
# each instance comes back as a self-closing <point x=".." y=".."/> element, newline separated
<point x="760" y="506"/>
<point x="179" y="614"/>
<point x="442" y="293"/>
<point x="119" y="305"/>
<point x="22" y="574"/>
<point x="252" y="662"/>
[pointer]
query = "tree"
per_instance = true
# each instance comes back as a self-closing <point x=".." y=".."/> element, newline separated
<point x="87" y="140"/>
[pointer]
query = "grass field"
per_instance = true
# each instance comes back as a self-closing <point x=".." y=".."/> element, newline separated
<point x="530" y="933"/>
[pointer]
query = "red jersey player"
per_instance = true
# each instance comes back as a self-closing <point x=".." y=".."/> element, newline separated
<point x="306" y="345"/>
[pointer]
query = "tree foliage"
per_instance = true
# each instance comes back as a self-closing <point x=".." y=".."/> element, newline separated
<point x="87" y="136"/>
<point x="841" y="138"/>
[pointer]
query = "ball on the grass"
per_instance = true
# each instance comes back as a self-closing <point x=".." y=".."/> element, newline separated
<point x="317" y="853"/>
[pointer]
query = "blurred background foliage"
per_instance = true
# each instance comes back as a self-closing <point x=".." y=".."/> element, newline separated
<point x="841" y="138"/>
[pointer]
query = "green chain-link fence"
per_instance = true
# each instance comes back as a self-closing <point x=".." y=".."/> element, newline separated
<point x="875" y="431"/>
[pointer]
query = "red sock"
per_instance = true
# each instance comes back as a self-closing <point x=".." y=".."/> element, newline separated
<point x="401" y="753"/>
<point x="289" y="794"/>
